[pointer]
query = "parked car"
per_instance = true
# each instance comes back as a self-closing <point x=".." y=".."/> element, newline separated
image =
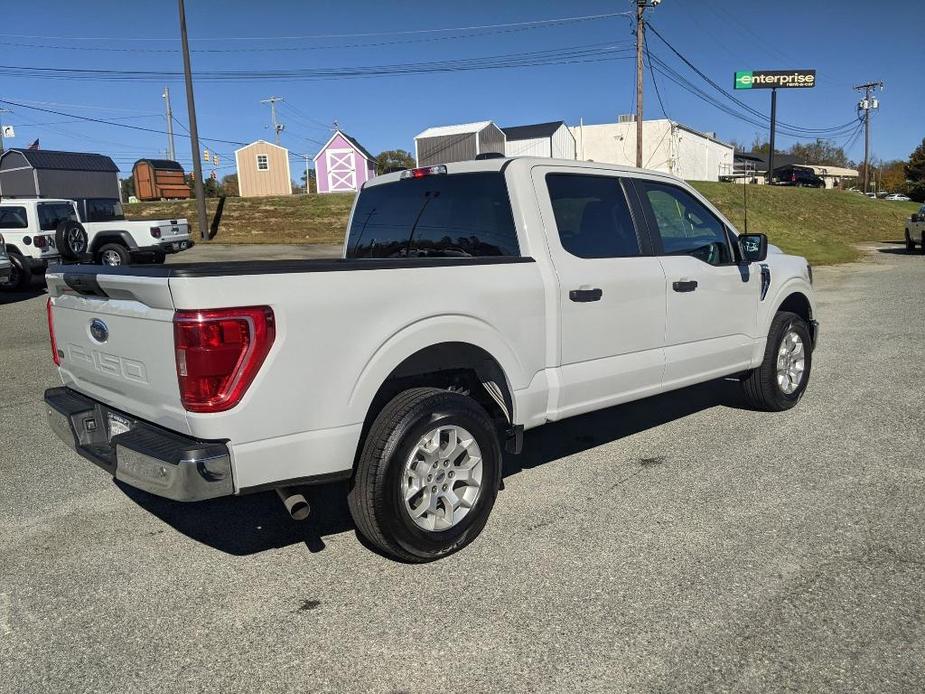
<point x="915" y="230"/>
<point x="6" y="268"/>
<point x="114" y="240"/>
<point x="898" y="197"/>
<point x="474" y="301"/>
<point x="797" y="176"/>
<point x="36" y="233"/>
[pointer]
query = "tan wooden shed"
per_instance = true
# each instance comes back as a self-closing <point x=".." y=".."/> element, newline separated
<point x="263" y="169"/>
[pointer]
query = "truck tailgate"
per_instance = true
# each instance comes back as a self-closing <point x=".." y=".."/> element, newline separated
<point x="114" y="337"/>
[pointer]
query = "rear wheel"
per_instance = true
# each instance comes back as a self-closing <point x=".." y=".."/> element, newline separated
<point x="922" y="244"/>
<point x="910" y="244"/>
<point x="428" y="475"/>
<point x="20" y="275"/>
<point x="781" y="379"/>
<point x="113" y="254"/>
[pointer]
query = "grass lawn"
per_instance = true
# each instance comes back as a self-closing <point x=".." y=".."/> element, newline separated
<point x="822" y="225"/>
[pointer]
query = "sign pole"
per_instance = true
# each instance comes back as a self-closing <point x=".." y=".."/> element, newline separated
<point x="773" y="128"/>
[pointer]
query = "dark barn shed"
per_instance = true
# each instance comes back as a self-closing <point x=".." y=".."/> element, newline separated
<point x="45" y="173"/>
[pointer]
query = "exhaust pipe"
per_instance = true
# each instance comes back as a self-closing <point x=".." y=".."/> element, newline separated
<point x="294" y="501"/>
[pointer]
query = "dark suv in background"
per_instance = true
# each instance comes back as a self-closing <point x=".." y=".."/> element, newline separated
<point x="797" y="176"/>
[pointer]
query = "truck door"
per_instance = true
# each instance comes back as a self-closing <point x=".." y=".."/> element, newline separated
<point x="712" y="299"/>
<point x="611" y="291"/>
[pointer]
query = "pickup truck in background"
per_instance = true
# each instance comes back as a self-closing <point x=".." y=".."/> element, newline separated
<point x="114" y="240"/>
<point x="915" y="230"/>
<point x="473" y="301"/>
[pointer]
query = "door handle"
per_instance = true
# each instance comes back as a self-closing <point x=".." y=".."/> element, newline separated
<point x="583" y="295"/>
<point x="684" y="285"/>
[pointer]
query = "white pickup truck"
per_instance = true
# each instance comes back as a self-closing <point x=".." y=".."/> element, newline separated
<point x="915" y="230"/>
<point x="474" y="300"/>
<point x="42" y="231"/>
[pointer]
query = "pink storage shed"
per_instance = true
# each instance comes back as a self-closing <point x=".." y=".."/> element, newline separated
<point x="343" y="165"/>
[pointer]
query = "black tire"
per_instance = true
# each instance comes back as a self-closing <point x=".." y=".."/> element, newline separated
<point x="760" y="386"/>
<point x="20" y="276"/>
<point x="113" y="254"/>
<point x="375" y="498"/>
<point x="910" y="244"/>
<point x="71" y="240"/>
<point x="922" y="244"/>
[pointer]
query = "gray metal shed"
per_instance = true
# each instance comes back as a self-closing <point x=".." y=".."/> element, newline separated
<point x="462" y="142"/>
<point x="44" y="173"/>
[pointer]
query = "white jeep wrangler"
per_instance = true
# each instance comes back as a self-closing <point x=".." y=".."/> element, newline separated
<point x="37" y="232"/>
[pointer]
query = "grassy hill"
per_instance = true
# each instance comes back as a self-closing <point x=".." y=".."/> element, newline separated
<point x="822" y="225"/>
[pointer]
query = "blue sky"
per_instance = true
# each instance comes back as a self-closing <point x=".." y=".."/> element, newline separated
<point x="847" y="42"/>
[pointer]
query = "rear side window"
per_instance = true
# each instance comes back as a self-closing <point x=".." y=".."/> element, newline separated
<point x="439" y="216"/>
<point x="592" y="216"/>
<point x="104" y="210"/>
<point x="13" y="218"/>
<point x="51" y="214"/>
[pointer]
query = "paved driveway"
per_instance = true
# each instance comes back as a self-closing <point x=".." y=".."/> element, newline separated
<point x="676" y="544"/>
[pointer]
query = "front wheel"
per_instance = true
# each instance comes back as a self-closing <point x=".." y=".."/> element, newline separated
<point x="910" y="244"/>
<point x="428" y="475"/>
<point x="781" y="379"/>
<point x="20" y="275"/>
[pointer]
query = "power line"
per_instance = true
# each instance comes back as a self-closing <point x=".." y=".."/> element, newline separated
<point x="406" y="32"/>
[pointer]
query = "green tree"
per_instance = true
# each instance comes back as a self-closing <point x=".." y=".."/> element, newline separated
<point x="760" y="145"/>
<point x="230" y="185"/>
<point x="822" y="152"/>
<point x="127" y="185"/>
<point x="915" y="173"/>
<point x="394" y="160"/>
<point x="313" y="184"/>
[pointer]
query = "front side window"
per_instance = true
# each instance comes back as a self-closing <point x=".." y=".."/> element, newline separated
<point x="51" y="214"/>
<point x="592" y="216"/>
<point x="437" y="216"/>
<point x="13" y="218"/>
<point x="685" y="225"/>
<point x="263" y="162"/>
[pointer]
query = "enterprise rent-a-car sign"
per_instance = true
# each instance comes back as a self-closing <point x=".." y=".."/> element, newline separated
<point x="774" y="79"/>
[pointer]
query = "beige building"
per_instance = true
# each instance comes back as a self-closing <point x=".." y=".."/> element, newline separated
<point x="263" y="169"/>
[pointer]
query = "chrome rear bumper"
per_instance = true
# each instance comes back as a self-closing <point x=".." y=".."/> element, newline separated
<point x="145" y="456"/>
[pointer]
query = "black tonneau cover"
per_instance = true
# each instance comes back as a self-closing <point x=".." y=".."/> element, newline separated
<point x="82" y="273"/>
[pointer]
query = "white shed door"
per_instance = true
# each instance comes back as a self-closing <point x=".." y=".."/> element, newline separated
<point x="342" y="172"/>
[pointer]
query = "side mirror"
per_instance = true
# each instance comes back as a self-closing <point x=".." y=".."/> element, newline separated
<point x="754" y="247"/>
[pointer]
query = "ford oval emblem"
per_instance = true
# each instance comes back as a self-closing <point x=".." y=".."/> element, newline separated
<point x="98" y="330"/>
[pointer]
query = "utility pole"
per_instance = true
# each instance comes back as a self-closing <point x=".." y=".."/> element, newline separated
<point x="171" y="151"/>
<point x="193" y="128"/>
<point x="771" y="142"/>
<point x="277" y="126"/>
<point x="641" y="6"/>
<point x="306" y="175"/>
<point x="867" y="104"/>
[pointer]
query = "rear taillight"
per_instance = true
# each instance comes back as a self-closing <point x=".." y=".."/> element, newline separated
<point x="793" y="178"/>
<point x="51" y="333"/>
<point x="156" y="232"/>
<point x="219" y="352"/>
<point x="40" y="241"/>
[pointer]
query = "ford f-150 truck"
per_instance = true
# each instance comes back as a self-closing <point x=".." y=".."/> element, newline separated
<point x="915" y="230"/>
<point x="473" y="301"/>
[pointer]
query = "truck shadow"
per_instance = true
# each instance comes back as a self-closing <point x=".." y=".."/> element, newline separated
<point x="249" y="524"/>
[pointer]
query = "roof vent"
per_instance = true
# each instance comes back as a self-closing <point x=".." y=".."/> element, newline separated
<point x="626" y="118"/>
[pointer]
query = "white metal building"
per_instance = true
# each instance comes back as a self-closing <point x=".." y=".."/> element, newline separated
<point x="540" y="140"/>
<point x="667" y="146"/>
<point x="462" y="142"/>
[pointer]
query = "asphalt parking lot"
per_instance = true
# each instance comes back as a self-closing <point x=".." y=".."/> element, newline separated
<point x="681" y="543"/>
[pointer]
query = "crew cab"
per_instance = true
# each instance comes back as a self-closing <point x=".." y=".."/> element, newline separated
<point x="915" y="230"/>
<point x="114" y="240"/>
<point x="32" y="232"/>
<point x="473" y="301"/>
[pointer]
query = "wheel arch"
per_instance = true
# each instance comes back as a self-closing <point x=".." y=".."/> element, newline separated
<point x="12" y="248"/>
<point x="112" y="236"/>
